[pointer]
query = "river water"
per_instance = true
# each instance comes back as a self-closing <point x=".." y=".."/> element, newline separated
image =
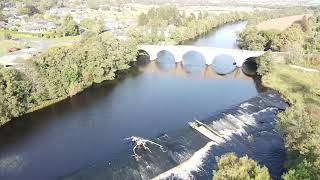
<point x="76" y="138"/>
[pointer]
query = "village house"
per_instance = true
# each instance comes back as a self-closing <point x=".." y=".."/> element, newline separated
<point x="37" y="26"/>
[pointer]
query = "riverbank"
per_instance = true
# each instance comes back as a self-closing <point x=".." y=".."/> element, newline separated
<point x="300" y="122"/>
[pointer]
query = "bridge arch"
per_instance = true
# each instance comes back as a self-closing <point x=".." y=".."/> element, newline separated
<point x="249" y="67"/>
<point x="193" y="61"/>
<point x="166" y="56"/>
<point x="143" y="57"/>
<point x="224" y="64"/>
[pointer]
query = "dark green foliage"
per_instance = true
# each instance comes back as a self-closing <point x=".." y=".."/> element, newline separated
<point x="160" y="17"/>
<point x="300" y="124"/>
<point x="251" y="40"/>
<point x="264" y="64"/>
<point x="232" y="168"/>
<point x="15" y="95"/>
<point x="63" y="71"/>
<point x="67" y="71"/>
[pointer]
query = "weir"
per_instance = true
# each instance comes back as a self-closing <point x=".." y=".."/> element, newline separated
<point x="241" y="121"/>
<point x="206" y="131"/>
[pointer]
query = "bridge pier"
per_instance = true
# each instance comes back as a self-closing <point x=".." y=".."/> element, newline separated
<point x="153" y="55"/>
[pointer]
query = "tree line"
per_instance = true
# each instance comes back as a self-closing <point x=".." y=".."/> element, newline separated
<point x="301" y="41"/>
<point x="62" y="72"/>
<point x="182" y="27"/>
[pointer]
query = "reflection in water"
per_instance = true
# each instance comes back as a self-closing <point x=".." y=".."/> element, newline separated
<point x="224" y="64"/>
<point x="193" y="62"/>
<point x="206" y="72"/>
<point x="166" y="60"/>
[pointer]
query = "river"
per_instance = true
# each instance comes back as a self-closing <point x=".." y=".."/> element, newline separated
<point x="89" y="129"/>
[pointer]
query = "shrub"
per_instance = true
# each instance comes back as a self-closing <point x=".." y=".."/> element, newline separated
<point x="230" y="167"/>
<point x="264" y="64"/>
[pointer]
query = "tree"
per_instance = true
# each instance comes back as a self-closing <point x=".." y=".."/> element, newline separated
<point x="250" y="39"/>
<point x="143" y="19"/>
<point x="15" y="94"/>
<point x="100" y="25"/>
<point x="301" y="130"/>
<point x="294" y="34"/>
<point x="3" y="18"/>
<point x="69" y="27"/>
<point x="96" y="25"/>
<point x="232" y="168"/>
<point x="264" y="64"/>
<point x="29" y="10"/>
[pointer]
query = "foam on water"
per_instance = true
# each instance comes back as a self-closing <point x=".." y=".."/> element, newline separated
<point x="229" y="126"/>
<point x="194" y="164"/>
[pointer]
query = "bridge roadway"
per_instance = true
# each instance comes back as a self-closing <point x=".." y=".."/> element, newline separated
<point x="208" y="53"/>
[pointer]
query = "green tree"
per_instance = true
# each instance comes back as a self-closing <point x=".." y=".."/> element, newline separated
<point x="29" y="10"/>
<point x="96" y="25"/>
<point x="15" y="95"/>
<point x="251" y="39"/>
<point x="264" y="64"/>
<point x="230" y="167"/>
<point x="69" y="27"/>
<point x="300" y="126"/>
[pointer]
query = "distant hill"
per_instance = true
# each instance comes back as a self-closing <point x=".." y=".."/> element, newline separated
<point x="234" y="2"/>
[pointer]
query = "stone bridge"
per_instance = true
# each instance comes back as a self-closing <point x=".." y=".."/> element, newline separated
<point x="208" y="53"/>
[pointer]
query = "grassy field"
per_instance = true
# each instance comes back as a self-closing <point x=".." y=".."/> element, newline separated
<point x="295" y="85"/>
<point x="6" y="44"/>
<point x="22" y="35"/>
<point x="280" y="23"/>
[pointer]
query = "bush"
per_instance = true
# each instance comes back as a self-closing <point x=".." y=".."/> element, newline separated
<point x="232" y="168"/>
<point x="264" y="64"/>
<point x="7" y="36"/>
